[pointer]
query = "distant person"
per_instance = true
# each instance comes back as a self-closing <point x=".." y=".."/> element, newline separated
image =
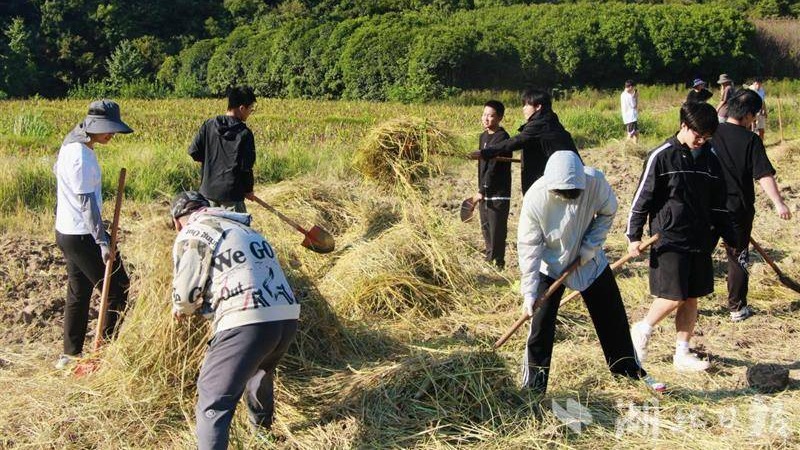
<point x="682" y="194"/>
<point x="760" y="124"/>
<point x="744" y="159"/>
<point x="629" y="103"/>
<point x="494" y="186"/>
<point x="80" y="233"/>
<point x="698" y="93"/>
<point x="726" y="90"/>
<point x="566" y="216"/>
<point x="226" y="149"/>
<point x="251" y="306"/>
<point x="540" y="136"/>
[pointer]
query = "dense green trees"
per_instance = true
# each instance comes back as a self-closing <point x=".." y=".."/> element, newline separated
<point x="384" y="49"/>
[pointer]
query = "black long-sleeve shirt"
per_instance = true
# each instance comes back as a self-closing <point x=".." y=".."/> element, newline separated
<point x="494" y="177"/>
<point x="541" y="136"/>
<point x="226" y="148"/>
<point x="684" y="198"/>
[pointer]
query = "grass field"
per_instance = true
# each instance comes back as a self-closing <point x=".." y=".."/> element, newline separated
<point x="397" y="324"/>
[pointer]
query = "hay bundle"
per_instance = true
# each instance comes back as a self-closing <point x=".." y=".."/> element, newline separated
<point x="404" y="271"/>
<point x="401" y="150"/>
<point x="453" y="395"/>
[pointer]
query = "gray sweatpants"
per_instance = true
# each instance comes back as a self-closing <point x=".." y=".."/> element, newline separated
<point x="239" y="360"/>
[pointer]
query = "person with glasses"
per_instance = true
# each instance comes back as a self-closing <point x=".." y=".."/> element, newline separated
<point x="226" y="150"/>
<point x="682" y="194"/>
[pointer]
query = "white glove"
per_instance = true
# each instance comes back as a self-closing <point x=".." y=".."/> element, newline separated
<point x="527" y="305"/>
<point x="105" y="252"/>
<point x="587" y="254"/>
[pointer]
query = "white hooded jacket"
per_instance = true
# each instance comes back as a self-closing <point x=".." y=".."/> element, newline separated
<point x="554" y="231"/>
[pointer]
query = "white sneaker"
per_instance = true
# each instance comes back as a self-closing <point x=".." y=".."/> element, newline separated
<point x="65" y="361"/>
<point x="742" y="314"/>
<point x="639" y="339"/>
<point x="689" y="362"/>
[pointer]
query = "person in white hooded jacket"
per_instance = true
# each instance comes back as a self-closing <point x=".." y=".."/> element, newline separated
<point x="229" y="273"/>
<point x="566" y="216"/>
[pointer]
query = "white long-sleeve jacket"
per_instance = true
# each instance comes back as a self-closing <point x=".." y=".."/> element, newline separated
<point x="554" y="231"/>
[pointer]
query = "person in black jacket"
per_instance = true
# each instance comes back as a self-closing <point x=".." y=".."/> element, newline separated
<point x="226" y="149"/>
<point x="682" y="193"/>
<point x="494" y="186"/>
<point x="541" y="136"/>
<point x="698" y="93"/>
<point x="744" y="159"/>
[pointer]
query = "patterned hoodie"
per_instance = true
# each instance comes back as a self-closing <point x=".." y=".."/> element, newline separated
<point x="228" y="272"/>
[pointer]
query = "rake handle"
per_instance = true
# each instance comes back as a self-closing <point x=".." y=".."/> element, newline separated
<point x="550" y="290"/>
<point x="101" y="319"/>
<point x="627" y="257"/>
<point x="291" y="222"/>
<point x="766" y="257"/>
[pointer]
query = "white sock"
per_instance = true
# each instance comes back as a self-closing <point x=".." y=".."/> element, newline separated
<point x="681" y="347"/>
<point x="644" y="327"/>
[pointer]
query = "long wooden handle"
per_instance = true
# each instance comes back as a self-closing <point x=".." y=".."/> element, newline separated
<point x="524" y="318"/>
<point x="506" y="159"/>
<point x="766" y="257"/>
<point x="291" y="222"/>
<point x="112" y="247"/>
<point x="642" y="247"/>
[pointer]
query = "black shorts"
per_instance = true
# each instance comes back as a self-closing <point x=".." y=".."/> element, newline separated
<point x="680" y="275"/>
<point x="632" y="127"/>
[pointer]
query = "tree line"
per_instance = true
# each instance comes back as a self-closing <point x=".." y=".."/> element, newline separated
<point x="408" y="50"/>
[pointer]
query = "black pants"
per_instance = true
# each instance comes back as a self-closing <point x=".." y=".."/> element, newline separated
<point x="85" y="270"/>
<point x="240" y="361"/>
<point x="738" y="278"/>
<point x="604" y="303"/>
<point x="494" y="226"/>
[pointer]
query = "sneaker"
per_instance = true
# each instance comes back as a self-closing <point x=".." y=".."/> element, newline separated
<point x="740" y="315"/>
<point x="689" y="362"/>
<point x="65" y="361"/>
<point x="639" y="339"/>
<point x="655" y="385"/>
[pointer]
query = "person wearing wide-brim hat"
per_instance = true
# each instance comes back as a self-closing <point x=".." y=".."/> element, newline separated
<point x="698" y="93"/>
<point x="725" y="94"/>
<point x="80" y="233"/>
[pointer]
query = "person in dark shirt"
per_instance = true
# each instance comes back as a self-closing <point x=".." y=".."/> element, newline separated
<point x="494" y="186"/>
<point x="743" y="159"/>
<point x="699" y="93"/>
<point x="682" y="194"/>
<point x="226" y="149"/>
<point x="541" y="136"/>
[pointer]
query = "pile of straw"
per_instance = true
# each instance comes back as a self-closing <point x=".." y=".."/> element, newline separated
<point x="402" y="150"/>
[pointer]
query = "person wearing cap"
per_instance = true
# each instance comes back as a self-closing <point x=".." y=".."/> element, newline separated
<point x="726" y="91"/>
<point x="226" y="150"/>
<point x="698" y="93"/>
<point x="566" y="216"/>
<point x="229" y="273"/>
<point x="629" y="103"/>
<point x="80" y="233"/>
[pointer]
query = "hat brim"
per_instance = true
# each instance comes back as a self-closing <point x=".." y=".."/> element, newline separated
<point x="701" y="83"/>
<point x="103" y="125"/>
<point x="724" y="80"/>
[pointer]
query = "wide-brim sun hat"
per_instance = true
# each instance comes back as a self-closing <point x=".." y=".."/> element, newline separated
<point x="104" y="117"/>
<point x="724" y="78"/>
<point x="698" y="82"/>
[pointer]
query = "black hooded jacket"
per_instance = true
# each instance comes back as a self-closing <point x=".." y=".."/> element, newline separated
<point x="226" y="148"/>
<point x="684" y="198"/>
<point x="494" y="177"/>
<point x="541" y="136"/>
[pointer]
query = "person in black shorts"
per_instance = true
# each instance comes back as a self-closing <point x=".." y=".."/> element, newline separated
<point x="683" y="195"/>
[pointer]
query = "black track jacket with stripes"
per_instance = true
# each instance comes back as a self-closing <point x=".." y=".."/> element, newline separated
<point x="684" y="199"/>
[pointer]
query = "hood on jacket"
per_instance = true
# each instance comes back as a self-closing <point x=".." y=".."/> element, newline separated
<point x="243" y="218"/>
<point x="228" y="127"/>
<point x="564" y="170"/>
